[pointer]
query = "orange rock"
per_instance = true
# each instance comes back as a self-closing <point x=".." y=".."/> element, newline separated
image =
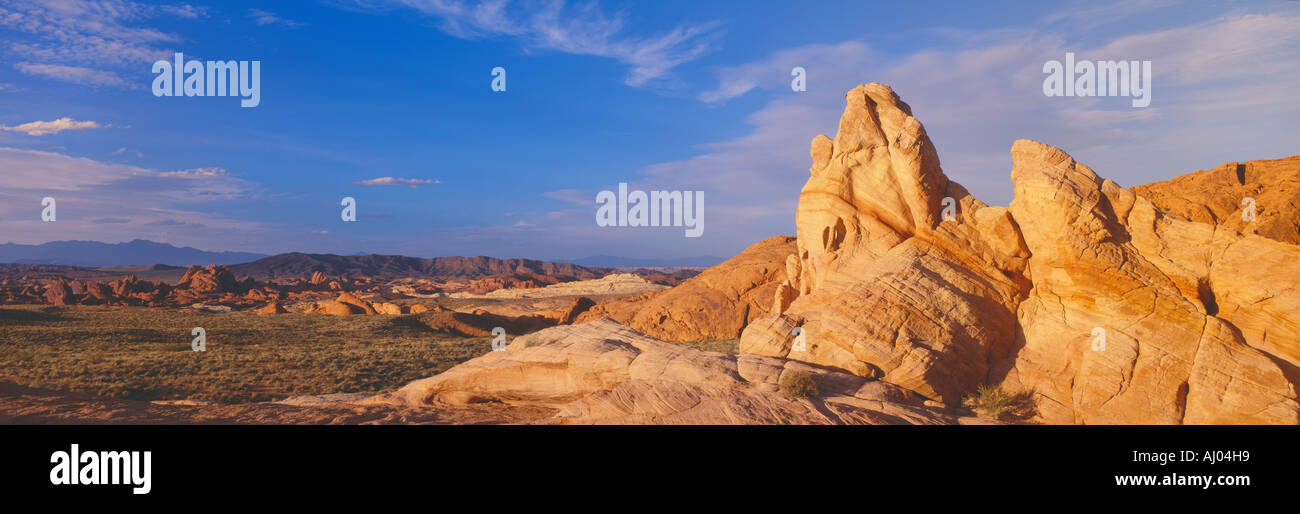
<point x="271" y="308"/>
<point x="1217" y="196"/>
<point x="716" y="304"/>
<point x="881" y="286"/>
<point x="352" y="300"/>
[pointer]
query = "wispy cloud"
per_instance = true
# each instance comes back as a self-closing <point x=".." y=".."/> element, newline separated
<point x="394" y="182"/>
<point x="41" y="128"/>
<point x="1084" y="17"/>
<point x="975" y="100"/>
<point x="74" y="74"/>
<point x="106" y="201"/>
<point x="80" y="41"/>
<point x="573" y="196"/>
<point x="261" y="17"/>
<point x="580" y="30"/>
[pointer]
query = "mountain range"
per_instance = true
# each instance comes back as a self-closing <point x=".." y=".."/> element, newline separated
<point x="94" y="254"/>
<point x="140" y="252"/>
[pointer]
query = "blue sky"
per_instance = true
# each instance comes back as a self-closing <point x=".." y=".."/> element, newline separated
<point x="661" y="95"/>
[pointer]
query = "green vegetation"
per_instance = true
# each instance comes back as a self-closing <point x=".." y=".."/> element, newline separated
<point x="991" y="401"/>
<point x="144" y="353"/>
<point x="797" y="384"/>
<point x="727" y="346"/>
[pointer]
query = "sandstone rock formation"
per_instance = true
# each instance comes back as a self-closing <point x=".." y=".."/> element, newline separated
<point x="272" y="308"/>
<point x="1218" y="196"/>
<point x="881" y="285"/>
<point x="214" y="278"/>
<point x="716" y="304"/>
<point x="604" y="372"/>
<point x="386" y="308"/>
<point x="569" y="314"/>
<point x="1195" y="331"/>
<point x="612" y="284"/>
<point x="479" y="324"/>
<point x="1082" y="293"/>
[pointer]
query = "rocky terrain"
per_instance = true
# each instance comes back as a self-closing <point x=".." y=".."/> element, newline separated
<point x="901" y="299"/>
<point x="1081" y="293"/>
<point x="1218" y="196"/>
<point x="603" y="372"/>
<point x="1086" y="297"/>
<point x="613" y="284"/>
<point x="716" y="304"/>
<point x="318" y="283"/>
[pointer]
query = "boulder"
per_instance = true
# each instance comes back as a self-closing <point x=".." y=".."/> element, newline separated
<point x="716" y="304"/>
<point x="271" y="308"/>
<point x="606" y="373"/>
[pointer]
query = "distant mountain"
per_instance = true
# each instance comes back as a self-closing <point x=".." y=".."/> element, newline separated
<point x="93" y="254"/>
<point x="607" y="261"/>
<point x="288" y="265"/>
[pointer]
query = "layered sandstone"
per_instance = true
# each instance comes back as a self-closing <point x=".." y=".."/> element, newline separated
<point x="1168" y="297"/>
<point x="881" y="285"/>
<point x="1083" y="294"/>
<point x="1220" y="195"/>
<point x="604" y="372"/>
<point x="716" y="304"/>
<point x="612" y="284"/>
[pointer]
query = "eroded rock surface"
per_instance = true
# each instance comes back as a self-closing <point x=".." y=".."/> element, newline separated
<point x="605" y="372"/>
<point x="881" y="285"/>
<point x="1218" y="196"/>
<point x="1198" y="320"/>
<point x="716" y="304"/>
<point x="1167" y="295"/>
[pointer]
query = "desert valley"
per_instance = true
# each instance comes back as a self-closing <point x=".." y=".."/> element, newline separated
<point x="901" y="299"/>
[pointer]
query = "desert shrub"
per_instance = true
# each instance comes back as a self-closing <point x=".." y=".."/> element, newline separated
<point x="991" y="401"/>
<point x="797" y="384"/>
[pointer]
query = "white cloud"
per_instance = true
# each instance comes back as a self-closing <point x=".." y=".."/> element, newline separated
<point x="573" y="196"/>
<point x="1233" y="71"/>
<point x="41" y="128"/>
<point x="394" y="182"/>
<point x="1090" y="16"/>
<point x="775" y="71"/>
<point x="75" y="74"/>
<point x="107" y="202"/>
<point x="261" y="17"/>
<point x="580" y="30"/>
<point x="81" y="41"/>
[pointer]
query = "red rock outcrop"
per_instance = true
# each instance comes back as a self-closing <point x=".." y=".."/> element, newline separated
<point x="716" y="304"/>
<point x="1218" y="196"/>
<point x="212" y="279"/>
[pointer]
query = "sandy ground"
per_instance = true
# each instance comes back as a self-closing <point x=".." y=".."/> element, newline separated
<point x="30" y="406"/>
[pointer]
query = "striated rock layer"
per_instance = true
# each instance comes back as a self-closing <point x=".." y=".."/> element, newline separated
<point x="1082" y="293"/>
<point x="1219" y="196"/>
<point x="881" y="285"/>
<point x="604" y="372"/>
<point x="901" y="290"/>
<point x="1193" y="331"/>
<point x="716" y="304"/>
